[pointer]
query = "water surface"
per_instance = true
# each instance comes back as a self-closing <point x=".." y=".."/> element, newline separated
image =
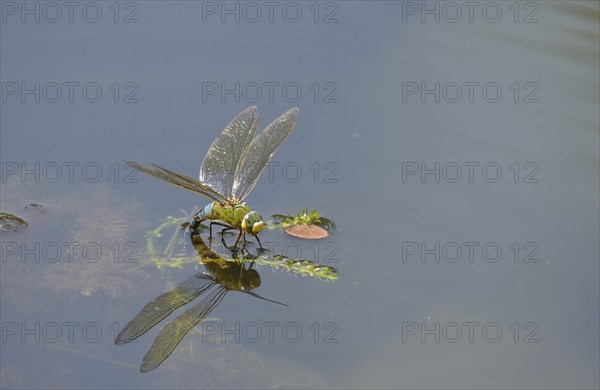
<point x="401" y="310"/>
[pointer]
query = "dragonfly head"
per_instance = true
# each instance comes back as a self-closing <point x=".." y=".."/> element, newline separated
<point x="250" y="280"/>
<point x="252" y="222"/>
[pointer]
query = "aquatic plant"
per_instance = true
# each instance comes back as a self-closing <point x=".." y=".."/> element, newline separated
<point x="303" y="217"/>
<point x="169" y="257"/>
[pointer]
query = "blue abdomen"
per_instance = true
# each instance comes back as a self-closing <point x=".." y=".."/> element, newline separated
<point x="206" y="212"/>
<point x="202" y="215"/>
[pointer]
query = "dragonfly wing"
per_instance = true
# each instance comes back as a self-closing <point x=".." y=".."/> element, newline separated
<point x="260" y="151"/>
<point x="179" y="180"/>
<point x="223" y="156"/>
<point x="162" y="306"/>
<point x="172" y="334"/>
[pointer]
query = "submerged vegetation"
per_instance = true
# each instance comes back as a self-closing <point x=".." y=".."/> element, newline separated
<point x="84" y="243"/>
<point x="171" y="257"/>
<point x="12" y="223"/>
<point x="9" y="222"/>
<point x="301" y="267"/>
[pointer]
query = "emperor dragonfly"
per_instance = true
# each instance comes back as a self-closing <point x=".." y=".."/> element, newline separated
<point x="231" y="168"/>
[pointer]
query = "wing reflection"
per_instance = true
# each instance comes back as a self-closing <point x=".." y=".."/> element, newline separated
<point x="222" y="274"/>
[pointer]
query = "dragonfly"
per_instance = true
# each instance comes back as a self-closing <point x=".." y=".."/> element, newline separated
<point x="223" y="274"/>
<point x="231" y="168"/>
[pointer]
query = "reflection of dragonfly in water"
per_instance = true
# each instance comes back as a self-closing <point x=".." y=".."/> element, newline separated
<point x="230" y="170"/>
<point x="227" y="275"/>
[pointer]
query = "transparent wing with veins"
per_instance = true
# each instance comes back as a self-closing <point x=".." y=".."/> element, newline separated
<point x="259" y="152"/>
<point x="221" y="161"/>
<point x="179" y="180"/>
<point x="162" y="306"/>
<point x="174" y="332"/>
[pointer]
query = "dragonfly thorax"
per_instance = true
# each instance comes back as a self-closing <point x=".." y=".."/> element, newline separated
<point x="237" y="215"/>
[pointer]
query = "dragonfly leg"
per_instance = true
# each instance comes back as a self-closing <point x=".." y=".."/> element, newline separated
<point x="259" y="243"/>
<point x="217" y="223"/>
<point x="242" y="233"/>
<point x="258" y="251"/>
<point x="223" y="237"/>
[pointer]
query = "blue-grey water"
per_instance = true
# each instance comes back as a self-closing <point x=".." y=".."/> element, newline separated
<point x="456" y="146"/>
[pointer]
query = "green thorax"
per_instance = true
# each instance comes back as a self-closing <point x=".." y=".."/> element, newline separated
<point x="231" y="214"/>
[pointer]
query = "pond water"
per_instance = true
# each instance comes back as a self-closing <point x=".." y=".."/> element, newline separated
<point x="456" y="147"/>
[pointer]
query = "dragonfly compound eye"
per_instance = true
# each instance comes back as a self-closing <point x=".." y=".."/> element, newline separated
<point x="252" y="222"/>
